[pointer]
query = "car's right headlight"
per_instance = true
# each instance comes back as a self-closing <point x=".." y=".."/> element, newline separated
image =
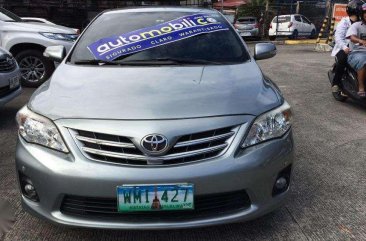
<point x="37" y="129"/>
<point x="60" y="36"/>
<point x="270" y="125"/>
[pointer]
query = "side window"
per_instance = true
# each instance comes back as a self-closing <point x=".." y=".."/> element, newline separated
<point x="297" y="18"/>
<point x="305" y="20"/>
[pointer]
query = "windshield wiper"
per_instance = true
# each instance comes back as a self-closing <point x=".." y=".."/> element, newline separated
<point x="172" y="60"/>
<point x="104" y="62"/>
<point x="95" y="62"/>
<point x="146" y="61"/>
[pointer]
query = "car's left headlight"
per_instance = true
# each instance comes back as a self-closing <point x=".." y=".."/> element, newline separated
<point x="270" y="125"/>
<point x="39" y="130"/>
<point x="60" y="36"/>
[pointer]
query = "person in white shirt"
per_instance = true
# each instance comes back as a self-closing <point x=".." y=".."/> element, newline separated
<point x="341" y="48"/>
<point x="357" y="56"/>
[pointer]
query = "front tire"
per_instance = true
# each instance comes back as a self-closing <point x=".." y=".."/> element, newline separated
<point x="313" y="34"/>
<point x="34" y="67"/>
<point x="339" y="97"/>
<point x="272" y="38"/>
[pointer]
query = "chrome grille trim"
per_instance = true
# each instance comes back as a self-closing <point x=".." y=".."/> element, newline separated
<point x="5" y="66"/>
<point x="104" y="142"/>
<point x="113" y="154"/>
<point x="203" y="140"/>
<point x="193" y="147"/>
<point x="162" y="158"/>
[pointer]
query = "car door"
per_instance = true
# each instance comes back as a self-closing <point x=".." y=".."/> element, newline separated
<point x="307" y="25"/>
<point x="298" y="24"/>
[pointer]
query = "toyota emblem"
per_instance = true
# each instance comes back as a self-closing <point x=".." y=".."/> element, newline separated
<point x="154" y="143"/>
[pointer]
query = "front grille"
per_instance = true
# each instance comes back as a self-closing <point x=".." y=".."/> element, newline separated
<point x="4" y="91"/>
<point x="188" y="148"/>
<point x="7" y="64"/>
<point x="206" y="205"/>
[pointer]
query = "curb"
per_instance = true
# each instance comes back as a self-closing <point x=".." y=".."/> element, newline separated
<point x="302" y="41"/>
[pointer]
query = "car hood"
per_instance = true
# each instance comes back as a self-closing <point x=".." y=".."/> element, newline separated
<point x="37" y="27"/>
<point x="146" y="93"/>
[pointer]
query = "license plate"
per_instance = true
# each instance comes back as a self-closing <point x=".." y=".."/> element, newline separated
<point x="14" y="82"/>
<point x="246" y="34"/>
<point x="165" y="197"/>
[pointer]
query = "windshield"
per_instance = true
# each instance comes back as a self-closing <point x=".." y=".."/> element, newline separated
<point x="230" y="17"/>
<point x="112" y="27"/>
<point x="8" y="16"/>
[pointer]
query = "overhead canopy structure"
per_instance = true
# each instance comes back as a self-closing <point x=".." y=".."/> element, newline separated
<point x="229" y="3"/>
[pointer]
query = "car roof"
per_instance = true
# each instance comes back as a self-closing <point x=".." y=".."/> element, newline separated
<point x="288" y="15"/>
<point x="160" y="9"/>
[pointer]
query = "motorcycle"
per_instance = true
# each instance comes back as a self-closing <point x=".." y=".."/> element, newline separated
<point x="348" y="86"/>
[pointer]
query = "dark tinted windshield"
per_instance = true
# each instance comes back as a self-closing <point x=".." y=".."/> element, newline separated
<point x="8" y="16"/>
<point x="219" y="46"/>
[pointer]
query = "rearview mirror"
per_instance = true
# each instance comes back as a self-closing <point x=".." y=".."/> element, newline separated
<point x="264" y="51"/>
<point x="55" y="53"/>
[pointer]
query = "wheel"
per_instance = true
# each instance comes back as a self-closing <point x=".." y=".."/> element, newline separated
<point x="339" y="97"/>
<point x="272" y="38"/>
<point x="34" y="67"/>
<point x="313" y="34"/>
<point x="295" y="34"/>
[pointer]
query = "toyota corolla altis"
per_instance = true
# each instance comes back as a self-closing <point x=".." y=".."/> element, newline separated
<point x="157" y="118"/>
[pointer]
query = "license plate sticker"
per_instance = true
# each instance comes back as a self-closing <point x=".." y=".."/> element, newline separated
<point x="14" y="82"/>
<point x="165" y="197"/>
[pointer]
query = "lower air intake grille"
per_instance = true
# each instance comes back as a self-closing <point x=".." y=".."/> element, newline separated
<point x="206" y="205"/>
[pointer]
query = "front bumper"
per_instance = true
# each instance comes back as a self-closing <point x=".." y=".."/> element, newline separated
<point x="52" y="42"/>
<point x="4" y="82"/>
<point x="55" y="175"/>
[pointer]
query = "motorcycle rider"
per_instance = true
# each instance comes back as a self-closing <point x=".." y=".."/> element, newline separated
<point x="357" y="56"/>
<point x="341" y="49"/>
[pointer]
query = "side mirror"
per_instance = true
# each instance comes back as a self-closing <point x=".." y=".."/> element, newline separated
<point x="264" y="51"/>
<point x="55" y="53"/>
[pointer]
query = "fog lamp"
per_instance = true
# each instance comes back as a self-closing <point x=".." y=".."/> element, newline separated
<point x="281" y="183"/>
<point x="28" y="189"/>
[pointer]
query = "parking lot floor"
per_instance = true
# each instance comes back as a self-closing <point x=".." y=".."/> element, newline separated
<point x="328" y="194"/>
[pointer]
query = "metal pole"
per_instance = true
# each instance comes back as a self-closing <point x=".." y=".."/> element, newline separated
<point x="327" y="7"/>
<point x="298" y="7"/>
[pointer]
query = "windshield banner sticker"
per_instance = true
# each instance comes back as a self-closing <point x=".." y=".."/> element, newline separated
<point x="181" y="28"/>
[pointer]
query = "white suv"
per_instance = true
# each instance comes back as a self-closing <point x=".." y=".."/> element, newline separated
<point x="27" y="42"/>
<point x="293" y="26"/>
